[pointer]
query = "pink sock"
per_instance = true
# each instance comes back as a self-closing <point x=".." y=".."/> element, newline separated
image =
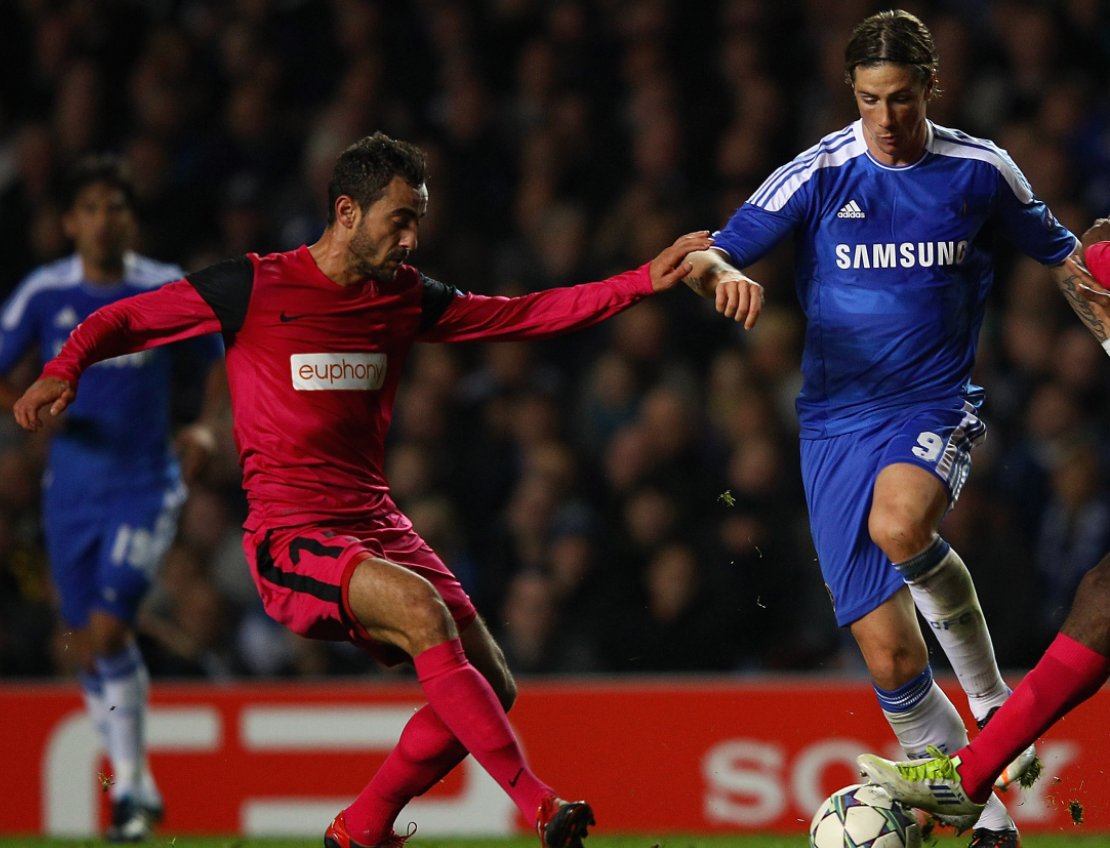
<point x="423" y="756"/>
<point x="465" y="703"/>
<point x="1068" y="674"/>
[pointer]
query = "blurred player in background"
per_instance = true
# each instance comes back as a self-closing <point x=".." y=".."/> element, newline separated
<point x="113" y="484"/>
<point x="1073" y="668"/>
<point x="316" y="342"/>
<point x="895" y="219"/>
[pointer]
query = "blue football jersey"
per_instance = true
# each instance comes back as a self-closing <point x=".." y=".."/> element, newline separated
<point x="116" y="433"/>
<point x="893" y="266"/>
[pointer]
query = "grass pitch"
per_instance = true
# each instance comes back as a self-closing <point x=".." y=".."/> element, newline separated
<point x="1063" y="839"/>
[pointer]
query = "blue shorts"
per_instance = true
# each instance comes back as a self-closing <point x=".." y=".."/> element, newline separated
<point x="839" y="475"/>
<point x="105" y="550"/>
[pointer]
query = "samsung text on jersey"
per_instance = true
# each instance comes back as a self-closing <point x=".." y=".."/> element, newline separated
<point x="921" y="254"/>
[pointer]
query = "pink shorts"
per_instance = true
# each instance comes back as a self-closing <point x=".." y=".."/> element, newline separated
<point x="303" y="575"/>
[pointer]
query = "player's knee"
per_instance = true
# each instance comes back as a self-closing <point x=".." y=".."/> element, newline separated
<point x="429" y="620"/>
<point x="894" y="673"/>
<point x="894" y="666"/>
<point x="899" y="536"/>
<point x="108" y="635"/>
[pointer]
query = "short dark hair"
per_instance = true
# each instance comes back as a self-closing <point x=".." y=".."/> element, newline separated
<point x="364" y="169"/>
<point x="893" y="36"/>
<point x="97" y="168"/>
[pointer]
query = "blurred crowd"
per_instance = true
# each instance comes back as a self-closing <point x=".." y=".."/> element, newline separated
<point x="626" y="499"/>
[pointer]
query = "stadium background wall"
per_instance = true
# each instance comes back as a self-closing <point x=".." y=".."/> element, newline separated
<point x="709" y="755"/>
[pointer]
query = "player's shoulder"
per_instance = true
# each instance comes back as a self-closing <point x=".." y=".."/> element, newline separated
<point x="410" y="285"/>
<point x="949" y="141"/>
<point x="276" y="265"/>
<point x="409" y="275"/>
<point x="834" y="150"/>
<point x="146" y="273"/>
<point x="53" y="278"/>
<point x="60" y="274"/>
<point x="972" y="152"/>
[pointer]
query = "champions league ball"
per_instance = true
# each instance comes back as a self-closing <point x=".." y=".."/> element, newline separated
<point x="863" y="816"/>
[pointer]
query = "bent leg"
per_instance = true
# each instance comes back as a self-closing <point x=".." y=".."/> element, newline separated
<point x="891" y="643"/>
<point x="908" y="505"/>
<point x="426" y="751"/>
<point x="919" y="713"/>
<point x="896" y="656"/>
<point x="1073" y="668"/>
<point x="397" y="606"/>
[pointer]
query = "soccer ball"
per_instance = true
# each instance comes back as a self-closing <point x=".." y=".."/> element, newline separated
<point x="863" y="816"/>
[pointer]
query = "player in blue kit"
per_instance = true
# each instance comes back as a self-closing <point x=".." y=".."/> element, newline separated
<point x="895" y="220"/>
<point x="113" y="485"/>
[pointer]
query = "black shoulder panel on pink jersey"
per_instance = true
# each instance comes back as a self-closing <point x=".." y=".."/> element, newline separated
<point x="226" y="287"/>
<point x="437" y="297"/>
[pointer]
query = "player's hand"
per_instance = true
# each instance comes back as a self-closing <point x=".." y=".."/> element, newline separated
<point x="49" y="391"/>
<point x="738" y="297"/>
<point x="1088" y="286"/>
<point x="670" y="267"/>
<point x="1098" y="231"/>
<point x="1090" y="289"/>
<point x="196" y="445"/>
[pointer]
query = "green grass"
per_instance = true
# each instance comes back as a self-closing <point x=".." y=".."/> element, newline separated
<point x="645" y="841"/>
<point x="1062" y="840"/>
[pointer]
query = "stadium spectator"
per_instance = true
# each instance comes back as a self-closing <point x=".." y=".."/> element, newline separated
<point x="113" y="487"/>
<point x="531" y="633"/>
<point x="678" y="620"/>
<point x="331" y="555"/>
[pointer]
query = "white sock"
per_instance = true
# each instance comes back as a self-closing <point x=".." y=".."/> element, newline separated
<point x="920" y="714"/>
<point x="125" y="687"/>
<point x="92" y="689"/>
<point x="944" y="593"/>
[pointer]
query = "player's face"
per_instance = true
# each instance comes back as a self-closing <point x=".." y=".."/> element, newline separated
<point x="387" y="232"/>
<point x="891" y="101"/>
<point x="101" y="225"/>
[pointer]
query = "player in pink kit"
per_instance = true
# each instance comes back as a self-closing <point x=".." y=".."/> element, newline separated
<point x="316" y="339"/>
<point x="1073" y="668"/>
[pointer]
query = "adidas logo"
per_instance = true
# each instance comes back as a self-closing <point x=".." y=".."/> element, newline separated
<point x="851" y="210"/>
<point x="944" y="795"/>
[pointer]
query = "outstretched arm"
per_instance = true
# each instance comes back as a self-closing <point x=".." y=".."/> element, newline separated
<point x="543" y="314"/>
<point x="734" y="294"/>
<point x="168" y="314"/>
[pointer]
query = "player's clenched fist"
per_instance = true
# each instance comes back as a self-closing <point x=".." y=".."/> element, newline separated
<point x="49" y="391"/>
